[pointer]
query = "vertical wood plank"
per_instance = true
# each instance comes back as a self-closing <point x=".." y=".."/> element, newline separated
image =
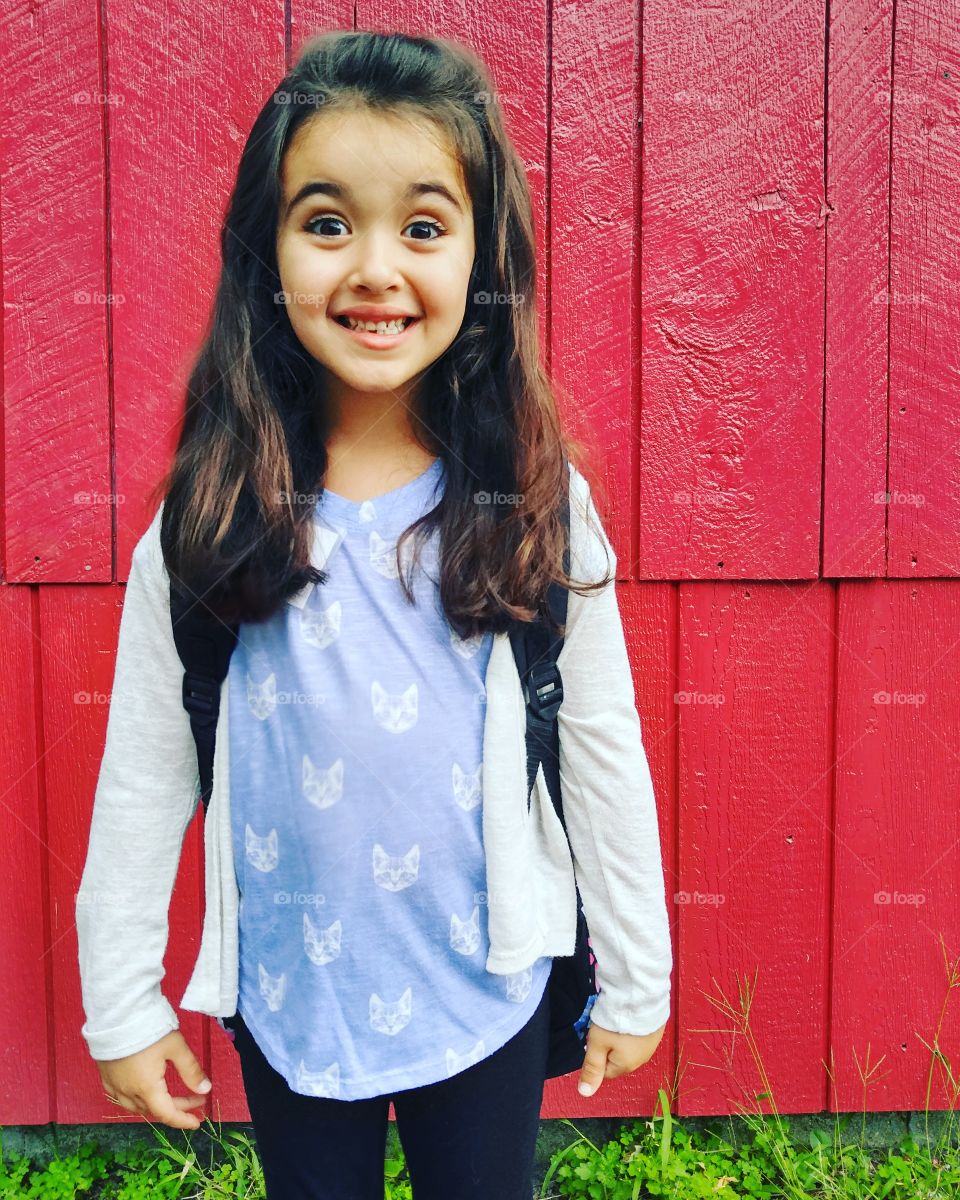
<point x="732" y="286"/>
<point x="80" y="626"/>
<point x="26" y="1059"/>
<point x="649" y="615"/>
<point x="57" y="491"/>
<point x="185" y="90"/>
<point x="755" y="799"/>
<point x="856" y="343"/>
<point x="594" y="248"/>
<point x="898" y="831"/>
<point x="924" y="417"/>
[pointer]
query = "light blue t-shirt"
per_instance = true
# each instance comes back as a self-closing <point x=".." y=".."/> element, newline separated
<point x="356" y="746"/>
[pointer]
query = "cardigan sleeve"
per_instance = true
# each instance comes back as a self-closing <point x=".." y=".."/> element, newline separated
<point x="608" y="799"/>
<point x="146" y="795"/>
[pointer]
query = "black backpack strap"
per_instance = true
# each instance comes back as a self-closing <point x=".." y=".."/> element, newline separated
<point x="204" y="644"/>
<point x="536" y="649"/>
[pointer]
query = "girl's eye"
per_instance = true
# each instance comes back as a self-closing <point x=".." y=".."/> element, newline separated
<point x="431" y="224"/>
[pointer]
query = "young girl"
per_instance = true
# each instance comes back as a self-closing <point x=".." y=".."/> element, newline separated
<point x="384" y="898"/>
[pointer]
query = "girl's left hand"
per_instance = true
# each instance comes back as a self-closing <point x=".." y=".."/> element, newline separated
<point x="612" y="1054"/>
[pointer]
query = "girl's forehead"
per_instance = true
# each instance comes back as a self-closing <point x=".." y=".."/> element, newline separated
<point x="364" y="150"/>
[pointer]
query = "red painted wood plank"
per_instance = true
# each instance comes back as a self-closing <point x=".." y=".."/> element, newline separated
<point x="897" y="835"/>
<point x="56" y="446"/>
<point x="756" y="751"/>
<point x="594" y="249"/>
<point x="924" y="416"/>
<point x="186" y="93"/>
<point x="79" y="627"/>
<point x="858" y="175"/>
<point x="26" y="1063"/>
<point x="649" y="615"/>
<point x="732" y="286"/>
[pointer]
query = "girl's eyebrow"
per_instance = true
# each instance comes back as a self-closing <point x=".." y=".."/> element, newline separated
<point x="338" y="191"/>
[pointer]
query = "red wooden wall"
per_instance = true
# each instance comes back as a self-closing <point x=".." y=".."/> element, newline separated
<point x="747" y="215"/>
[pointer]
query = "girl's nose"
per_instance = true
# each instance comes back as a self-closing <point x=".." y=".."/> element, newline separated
<point x="375" y="265"/>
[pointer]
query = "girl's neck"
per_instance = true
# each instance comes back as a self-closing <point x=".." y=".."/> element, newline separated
<point x="359" y="472"/>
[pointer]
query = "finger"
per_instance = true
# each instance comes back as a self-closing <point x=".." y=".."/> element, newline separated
<point x="593" y="1071"/>
<point x="189" y="1069"/>
<point x="183" y="1102"/>
<point x="161" y="1105"/>
<point x="122" y="1100"/>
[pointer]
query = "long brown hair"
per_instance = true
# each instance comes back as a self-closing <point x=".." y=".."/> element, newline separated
<point x="240" y="498"/>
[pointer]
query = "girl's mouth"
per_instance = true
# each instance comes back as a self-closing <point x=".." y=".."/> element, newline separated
<point x="374" y="340"/>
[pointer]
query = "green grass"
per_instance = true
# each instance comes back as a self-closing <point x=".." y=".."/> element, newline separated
<point x="753" y="1153"/>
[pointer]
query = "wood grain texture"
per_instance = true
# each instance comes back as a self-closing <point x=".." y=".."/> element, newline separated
<point x="27" y="1063"/>
<point x="897" y="838"/>
<point x="755" y="702"/>
<point x="924" y="418"/>
<point x="732" y="287"/>
<point x="594" y="249"/>
<point x="79" y="628"/>
<point x="57" y="491"/>
<point x="856" y="218"/>
<point x="187" y="89"/>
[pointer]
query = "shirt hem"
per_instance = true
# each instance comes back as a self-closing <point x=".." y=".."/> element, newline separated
<point x="385" y="1074"/>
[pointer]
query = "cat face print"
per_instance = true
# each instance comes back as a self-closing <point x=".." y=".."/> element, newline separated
<point x="321" y="945"/>
<point x="262" y="697"/>
<point x="394" y="713"/>
<point x="322" y="787"/>
<point x="393" y="873"/>
<point x="273" y="988"/>
<point x="262" y="852"/>
<point x="321" y="627"/>
<point x="467" y="791"/>
<point x="390" y="1018"/>
<point x="465" y="935"/>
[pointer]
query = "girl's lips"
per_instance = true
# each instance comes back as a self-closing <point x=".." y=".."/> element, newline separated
<point x="376" y="341"/>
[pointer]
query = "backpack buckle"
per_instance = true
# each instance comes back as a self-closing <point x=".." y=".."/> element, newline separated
<point x="201" y="696"/>
<point x="544" y="690"/>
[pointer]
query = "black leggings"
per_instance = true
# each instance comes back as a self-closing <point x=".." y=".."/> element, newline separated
<point x="469" y="1137"/>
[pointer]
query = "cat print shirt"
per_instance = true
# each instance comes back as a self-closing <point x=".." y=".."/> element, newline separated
<point x="356" y="743"/>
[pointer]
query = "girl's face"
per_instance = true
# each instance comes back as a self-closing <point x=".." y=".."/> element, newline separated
<point x="375" y="222"/>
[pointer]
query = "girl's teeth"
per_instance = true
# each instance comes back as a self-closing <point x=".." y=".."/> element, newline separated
<point x="378" y="326"/>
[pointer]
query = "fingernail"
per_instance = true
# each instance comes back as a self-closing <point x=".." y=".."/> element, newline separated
<point x="205" y="1086"/>
<point x="585" y="1089"/>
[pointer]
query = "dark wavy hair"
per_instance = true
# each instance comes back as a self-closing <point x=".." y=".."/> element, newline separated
<point x="240" y="498"/>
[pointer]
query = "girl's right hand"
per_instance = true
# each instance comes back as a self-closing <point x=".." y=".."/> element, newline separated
<point x="137" y="1081"/>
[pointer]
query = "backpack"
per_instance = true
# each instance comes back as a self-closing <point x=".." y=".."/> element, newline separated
<point x="205" y="644"/>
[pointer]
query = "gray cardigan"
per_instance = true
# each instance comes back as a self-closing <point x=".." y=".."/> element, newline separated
<point x="148" y="791"/>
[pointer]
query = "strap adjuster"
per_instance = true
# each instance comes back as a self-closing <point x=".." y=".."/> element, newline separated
<point x="543" y="691"/>
<point x="200" y="695"/>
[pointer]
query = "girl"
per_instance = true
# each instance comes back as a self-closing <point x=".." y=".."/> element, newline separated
<point x="373" y="932"/>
